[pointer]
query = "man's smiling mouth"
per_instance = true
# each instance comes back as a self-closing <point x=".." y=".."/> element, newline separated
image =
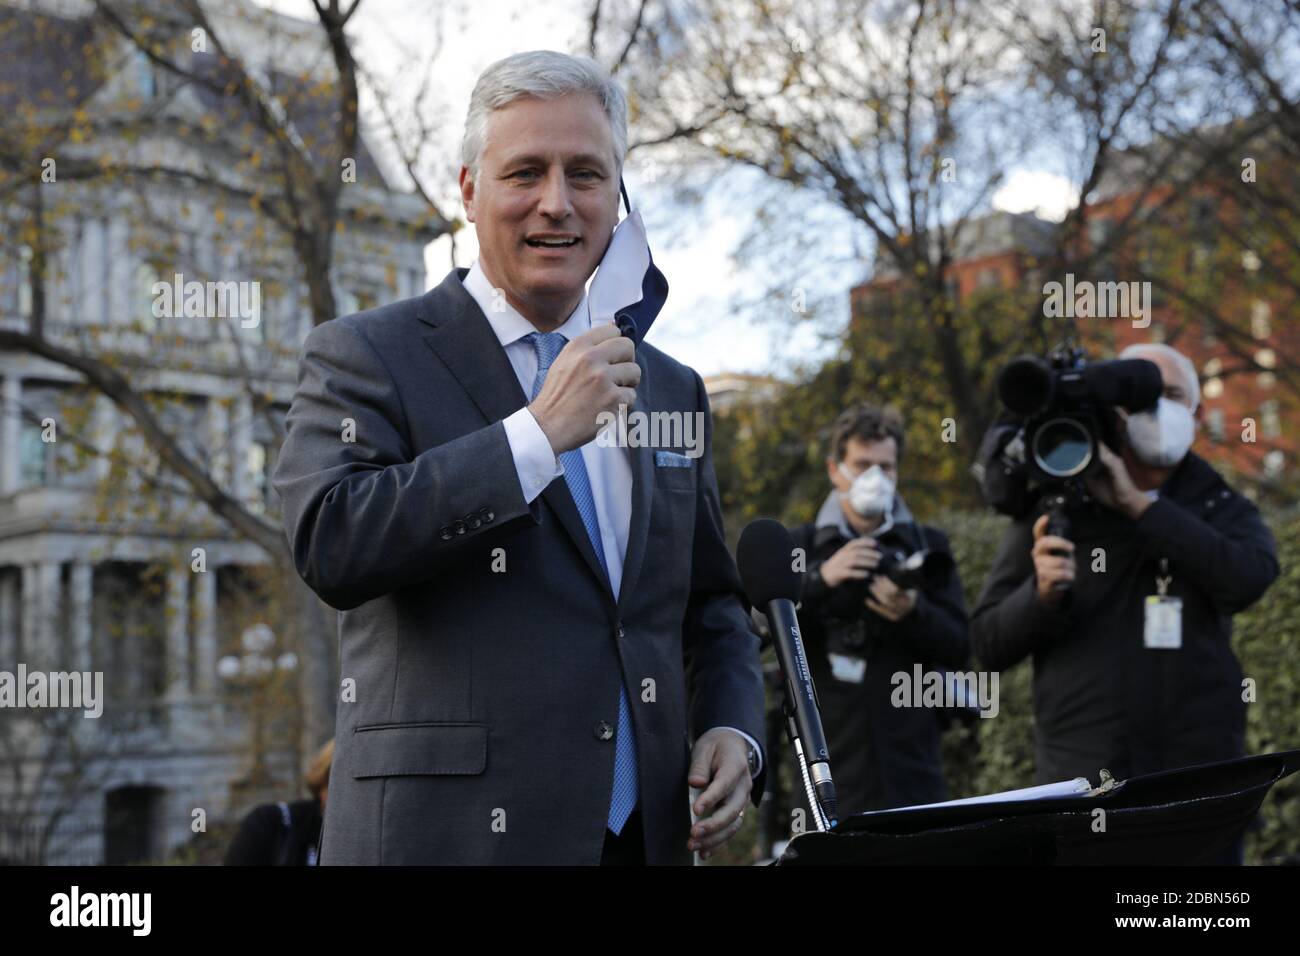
<point x="553" y="243"/>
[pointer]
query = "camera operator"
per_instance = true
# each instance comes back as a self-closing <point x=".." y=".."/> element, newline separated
<point x="860" y="628"/>
<point x="1129" y="624"/>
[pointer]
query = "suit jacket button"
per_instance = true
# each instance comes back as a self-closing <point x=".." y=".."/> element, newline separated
<point x="621" y="632"/>
<point x="458" y="527"/>
<point x="486" y="514"/>
<point x="473" y="521"/>
<point x="604" y="730"/>
<point x="444" y="532"/>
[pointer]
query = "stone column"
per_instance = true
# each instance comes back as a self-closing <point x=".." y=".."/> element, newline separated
<point x="40" y="611"/>
<point x="241" y="437"/>
<point x="219" y="440"/>
<point x="204" y="587"/>
<point x="82" y="588"/>
<point x="8" y="620"/>
<point x="104" y="434"/>
<point x="28" y="612"/>
<point x="177" y="619"/>
<point x="123" y="299"/>
<point x="10" y="427"/>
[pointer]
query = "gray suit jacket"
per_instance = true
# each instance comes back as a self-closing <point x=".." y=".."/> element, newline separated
<point x="476" y="707"/>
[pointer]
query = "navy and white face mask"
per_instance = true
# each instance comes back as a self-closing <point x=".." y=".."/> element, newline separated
<point x="627" y="288"/>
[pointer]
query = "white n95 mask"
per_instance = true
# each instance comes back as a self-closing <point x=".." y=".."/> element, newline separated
<point x="1162" y="436"/>
<point x="872" y="492"/>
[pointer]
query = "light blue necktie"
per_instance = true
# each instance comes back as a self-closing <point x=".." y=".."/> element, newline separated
<point x="548" y="346"/>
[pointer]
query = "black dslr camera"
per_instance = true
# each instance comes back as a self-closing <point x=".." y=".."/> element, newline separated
<point x="919" y="569"/>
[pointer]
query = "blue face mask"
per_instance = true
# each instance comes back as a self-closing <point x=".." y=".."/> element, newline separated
<point x="628" y="289"/>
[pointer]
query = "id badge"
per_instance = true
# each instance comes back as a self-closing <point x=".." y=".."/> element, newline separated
<point x="848" y="669"/>
<point x="1164" y="623"/>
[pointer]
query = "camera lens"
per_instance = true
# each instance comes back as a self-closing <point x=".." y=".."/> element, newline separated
<point x="1062" y="447"/>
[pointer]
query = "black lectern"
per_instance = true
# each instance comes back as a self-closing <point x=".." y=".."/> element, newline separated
<point x="1173" y="817"/>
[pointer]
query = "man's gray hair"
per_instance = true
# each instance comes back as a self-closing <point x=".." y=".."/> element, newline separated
<point x="544" y="74"/>
<point x="1178" y="358"/>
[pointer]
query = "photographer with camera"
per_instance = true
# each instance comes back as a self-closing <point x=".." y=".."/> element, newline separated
<point x="1129" y="618"/>
<point x="881" y="593"/>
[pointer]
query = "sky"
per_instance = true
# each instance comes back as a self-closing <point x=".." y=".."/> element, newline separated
<point x="698" y="325"/>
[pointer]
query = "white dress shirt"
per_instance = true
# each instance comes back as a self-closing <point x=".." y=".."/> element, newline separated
<point x="609" y="466"/>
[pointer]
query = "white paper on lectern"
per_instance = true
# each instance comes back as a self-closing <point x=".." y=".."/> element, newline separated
<point x="1066" y="788"/>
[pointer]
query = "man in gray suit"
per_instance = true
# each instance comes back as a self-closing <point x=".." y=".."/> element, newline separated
<point x="535" y="622"/>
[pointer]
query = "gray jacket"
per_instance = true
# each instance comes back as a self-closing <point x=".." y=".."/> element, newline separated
<point x="475" y="715"/>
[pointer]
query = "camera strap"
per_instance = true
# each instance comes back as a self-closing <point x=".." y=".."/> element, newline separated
<point x="1163" y="628"/>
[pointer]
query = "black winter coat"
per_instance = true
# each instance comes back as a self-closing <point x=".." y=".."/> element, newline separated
<point x="1101" y="698"/>
<point x="881" y="756"/>
<point x="265" y="838"/>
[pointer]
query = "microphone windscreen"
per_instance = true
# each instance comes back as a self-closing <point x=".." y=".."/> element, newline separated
<point x="1025" y="385"/>
<point x="765" y="557"/>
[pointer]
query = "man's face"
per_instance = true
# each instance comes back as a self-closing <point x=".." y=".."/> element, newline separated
<point x="860" y="455"/>
<point x="1175" y="387"/>
<point x="547" y="172"/>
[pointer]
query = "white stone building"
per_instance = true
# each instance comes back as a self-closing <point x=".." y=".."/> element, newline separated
<point x="96" y="558"/>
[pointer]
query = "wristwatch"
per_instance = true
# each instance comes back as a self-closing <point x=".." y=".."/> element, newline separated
<point x="753" y="761"/>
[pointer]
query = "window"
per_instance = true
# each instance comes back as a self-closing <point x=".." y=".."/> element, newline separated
<point x="1270" y="422"/>
<point x="128" y="635"/>
<point x="1214" y="423"/>
<point x="146" y="79"/>
<point x="1260" y="326"/>
<point x="1100" y="233"/>
<point x="150" y="311"/>
<point x="185" y="419"/>
<point x="44" y="451"/>
<point x="345" y="303"/>
<point x="416" y="282"/>
<point x="366" y="299"/>
<point x="257" y="471"/>
<point x="263" y="452"/>
<point x="25" y="282"/>
<point x="36" y="456"/>
<point x="1274" y="462"/>
<point x="1203" y="224"/>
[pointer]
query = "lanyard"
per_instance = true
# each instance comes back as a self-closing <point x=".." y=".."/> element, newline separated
<point x="1163" y="578"/>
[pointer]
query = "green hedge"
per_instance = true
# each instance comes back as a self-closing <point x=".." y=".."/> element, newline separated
<point x="992" y="755"/>
<point x="998" y="754"/>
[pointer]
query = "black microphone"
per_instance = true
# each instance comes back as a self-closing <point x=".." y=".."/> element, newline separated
<point x="765" y="557"/>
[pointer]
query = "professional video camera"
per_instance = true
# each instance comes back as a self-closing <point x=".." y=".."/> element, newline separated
<point x="1057" y="412"/>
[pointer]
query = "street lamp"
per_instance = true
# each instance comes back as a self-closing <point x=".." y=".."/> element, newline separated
<point x="254" y="669"/>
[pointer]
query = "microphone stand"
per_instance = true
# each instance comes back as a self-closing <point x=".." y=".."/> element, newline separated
<point x="820" y="819"/>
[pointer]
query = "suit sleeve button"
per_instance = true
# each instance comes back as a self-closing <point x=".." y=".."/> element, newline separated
<point x="473" y="521"/>
<point x="604" y="730"/>
<point x="458" y="527"/>
<point x="444" y="532"/>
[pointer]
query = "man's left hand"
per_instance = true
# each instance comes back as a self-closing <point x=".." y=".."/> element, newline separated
<point x="889" y="600"/>
<point x="719" y="766"/>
